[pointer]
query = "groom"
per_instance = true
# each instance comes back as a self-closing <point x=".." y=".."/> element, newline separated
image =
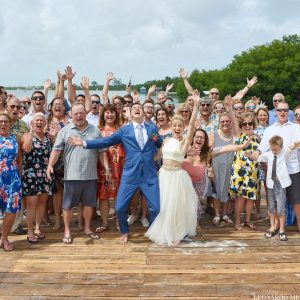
<point x="139" y="140"/>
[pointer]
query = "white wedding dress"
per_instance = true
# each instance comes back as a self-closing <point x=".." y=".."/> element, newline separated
<point x="178" y="201"/>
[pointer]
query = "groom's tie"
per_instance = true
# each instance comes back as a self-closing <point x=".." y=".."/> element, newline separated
<point x="140" y="136"/>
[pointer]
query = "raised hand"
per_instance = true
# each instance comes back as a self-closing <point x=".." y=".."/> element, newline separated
<point x="61" y="76"/>
<point x="69" y="73"/>
<point x="75" y="140"/>
<point x="169" y="87"/>
<point x="183" y="73"/>
<point x="255" y="100"/>
<point x="252" y="81"/>
<point x="228" y="101"/>
<point x="136" y="97"/>
<point x="85" y="83"/>
<point x="152" y="89"/>
<point x="247" y="142"/>
<point x="196" y="97"/>
<point x="47" y="84"/>
<point x="109" y="76"/>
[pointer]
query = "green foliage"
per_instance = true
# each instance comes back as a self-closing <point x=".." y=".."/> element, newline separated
<point x="277" y="66"/>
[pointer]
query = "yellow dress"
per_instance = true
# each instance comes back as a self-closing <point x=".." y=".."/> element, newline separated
<point x="244" y="173"/>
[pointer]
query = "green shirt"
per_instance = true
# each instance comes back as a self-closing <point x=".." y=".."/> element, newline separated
<point x="19" y="128"/>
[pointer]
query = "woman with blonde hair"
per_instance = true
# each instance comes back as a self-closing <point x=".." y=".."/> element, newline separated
<point x="185" y="112"/>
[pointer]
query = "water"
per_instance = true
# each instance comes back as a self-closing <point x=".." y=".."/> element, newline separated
<point x="28" y="93"/>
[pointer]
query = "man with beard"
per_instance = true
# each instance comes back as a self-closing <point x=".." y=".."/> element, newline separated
<point x="148" y="108"/>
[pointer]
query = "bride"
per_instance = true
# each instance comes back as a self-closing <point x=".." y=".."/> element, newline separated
<point x="178" y="199"/>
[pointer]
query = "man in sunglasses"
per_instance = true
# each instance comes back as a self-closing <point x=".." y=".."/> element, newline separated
<point x="38" y="101"/>
<point x="290" y="133"/>
<point x="206" y="122"/>
<point x="93" y="116"/>
<point x="277" y="98"/>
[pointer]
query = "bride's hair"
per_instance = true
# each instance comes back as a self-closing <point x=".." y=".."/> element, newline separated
<point x="177" y="117"/>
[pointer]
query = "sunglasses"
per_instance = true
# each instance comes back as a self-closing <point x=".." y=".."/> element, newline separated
<point x="225" y="121"/>
<point x="251" y="107"/>
<point x="95" y="102"/>
<point x="214" y="93"/>
<point x="128" y="102"/>
<point x="184" y="111"/>
<point x="238" y="108"/>
<point x="35" y="98"/>
<point x="279" y="100"/>
<point x="149" y="107"/>
<point x="205" y="104"/>
<point x="282" y="109"/>
<point x="247" y="124"/>
<point x="15" y="106"/>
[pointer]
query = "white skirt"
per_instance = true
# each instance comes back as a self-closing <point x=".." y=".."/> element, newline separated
<point x="178" y="208"/>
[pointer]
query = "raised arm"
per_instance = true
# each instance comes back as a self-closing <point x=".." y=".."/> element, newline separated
<point x="240" y="94"/>
<point x="47" y="86"/>
<point x="85" y="85"/>
<point x="61" y="87"/>
<point x="184" y="75"/>
<point x="234" y="121"/>
<point x="151" y="90"/>
<point x="191" y="128"/>
<point x="168" y="88"/>
<point x="71" y="92"/>
<point x="108" y="79"/>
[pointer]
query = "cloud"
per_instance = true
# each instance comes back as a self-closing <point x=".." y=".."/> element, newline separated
<point x="142" y="39"/>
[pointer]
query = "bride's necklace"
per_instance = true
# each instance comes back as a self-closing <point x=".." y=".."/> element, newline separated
<point x="224" y="136"/>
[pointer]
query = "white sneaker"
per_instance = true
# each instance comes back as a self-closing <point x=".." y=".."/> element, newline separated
<point x="145" y="222"/>
<point x="131" y="219"/>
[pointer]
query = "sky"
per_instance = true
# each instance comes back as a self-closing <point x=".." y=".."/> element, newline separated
<point x="141" y="39"/>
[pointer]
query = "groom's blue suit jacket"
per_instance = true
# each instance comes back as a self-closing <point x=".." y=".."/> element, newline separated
<point x="139" y="164"/>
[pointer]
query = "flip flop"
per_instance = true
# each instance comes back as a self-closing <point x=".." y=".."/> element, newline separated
<point x="7" y="246"/>
<point x="93" y="235"/>
<point x="33" y="241"/>
<point x="101" y="229"/>
<point x="226" y="219"/>
<point x="40" y="235"/>
<point x="67" y="239"/>
<point x="250" y="225"/>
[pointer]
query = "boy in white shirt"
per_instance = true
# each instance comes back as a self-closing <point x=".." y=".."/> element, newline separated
<point x="278" y="180"/>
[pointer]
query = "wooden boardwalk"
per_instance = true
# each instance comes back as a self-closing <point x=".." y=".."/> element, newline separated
<point x="220" y="263"/>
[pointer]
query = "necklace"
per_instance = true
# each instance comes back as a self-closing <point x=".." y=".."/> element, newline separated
<point x="224" y="136"/>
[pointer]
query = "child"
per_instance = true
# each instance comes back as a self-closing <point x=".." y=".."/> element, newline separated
<point x="278" y="180"/>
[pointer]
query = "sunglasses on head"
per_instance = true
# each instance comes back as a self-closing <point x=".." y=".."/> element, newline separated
<point x="35" y="98"/>
<point x="247" y="124"/>
<point x="282" y="109"/>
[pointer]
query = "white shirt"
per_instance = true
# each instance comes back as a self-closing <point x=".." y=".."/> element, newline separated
<point x="282" y="172"/>
<point x="143" y="130"/>
<point x="290" y="132"/>
<point x="93" y="119"/>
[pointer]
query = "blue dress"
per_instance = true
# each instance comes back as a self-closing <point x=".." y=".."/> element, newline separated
<point x="10" y="182"/>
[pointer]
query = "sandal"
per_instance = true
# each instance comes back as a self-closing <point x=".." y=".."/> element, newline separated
<point x="216" y="220"/>
<point x="250" y="225"/>
<point x="67" y="239"/>
<point x="33" y="240"/>
<point x="7" y="246"/>
<point x="238" y="227"/>
<point x="101" y="229"/>
<point x="282" y="236"/>
<point x="270" y="233"/>
<point x="93" y="235"/>
<point x="40" y="235"/>
<point x="226" y="219"/>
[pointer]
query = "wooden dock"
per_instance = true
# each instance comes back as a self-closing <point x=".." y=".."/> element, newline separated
<point x="220" y="263"/>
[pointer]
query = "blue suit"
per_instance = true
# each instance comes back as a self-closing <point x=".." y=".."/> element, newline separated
<point x="139" y="170"/>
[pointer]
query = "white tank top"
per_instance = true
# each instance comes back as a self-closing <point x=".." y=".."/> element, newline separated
<point x="171" y="150"/>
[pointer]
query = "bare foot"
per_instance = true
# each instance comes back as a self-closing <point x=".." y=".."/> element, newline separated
<point x="124" y="238"/>
<point x="57" y="223"/>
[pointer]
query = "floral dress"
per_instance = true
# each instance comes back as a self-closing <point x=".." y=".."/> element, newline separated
<point x="35" y="165"/>
<point x="244" y="173"/>
<point x="116" y="159"/>
<point x="10" y="181"/>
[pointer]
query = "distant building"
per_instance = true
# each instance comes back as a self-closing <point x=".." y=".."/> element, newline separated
<point x="143" y="90"/>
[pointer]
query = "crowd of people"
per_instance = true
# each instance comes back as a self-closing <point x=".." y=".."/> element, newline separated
<point x="84" y="152"/>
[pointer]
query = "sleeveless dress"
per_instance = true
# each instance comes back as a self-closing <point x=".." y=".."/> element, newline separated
<point x="222" y="165"/>
<point x="198" y="176"/>
<point x="10" y="181"/>
<point x="178" y="201"/>
<point x="35" y="165"/>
